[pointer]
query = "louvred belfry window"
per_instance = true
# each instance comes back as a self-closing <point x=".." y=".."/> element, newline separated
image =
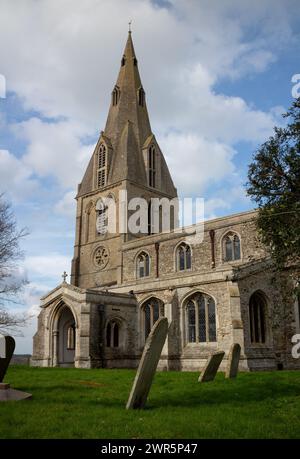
<point x="101" y="166"/>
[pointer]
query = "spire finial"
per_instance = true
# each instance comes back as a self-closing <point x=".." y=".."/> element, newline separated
<point x="129" y="25"/>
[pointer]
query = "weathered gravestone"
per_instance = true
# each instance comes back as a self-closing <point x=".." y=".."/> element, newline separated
<point x="7" y="347"/>
<point x="210" y="370"/>
<point x="148" y="364"/>
<point x="233" y="361"/>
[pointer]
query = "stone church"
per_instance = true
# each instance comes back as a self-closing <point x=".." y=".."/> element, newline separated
<point x="215" y="292"/>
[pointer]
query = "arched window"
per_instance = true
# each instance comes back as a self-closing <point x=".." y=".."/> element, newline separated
<point x="71" y="338"/>
<point x="116" y="92"/>
<point x="183" y="257"/>
<point x="143" y="265"/>
<point x="141" y="97"/>
<point x="101" y="222"/>
<point x="200" y="319"/>
<point x="101" y="166"/>
<point x="112" y="334"/>
<point x="151" y="166"/>
<point x="257" y="314"/>
<point x="123" y="61"/>
<point x="152" y="310"/>
<point x="231" y="247"/>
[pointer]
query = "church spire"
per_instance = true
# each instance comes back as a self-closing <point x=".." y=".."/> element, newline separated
<point x="127" y="137"/>
<point x="128" y="101"/>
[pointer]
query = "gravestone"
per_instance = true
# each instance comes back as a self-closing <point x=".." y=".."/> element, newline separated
<point x="210" y="370"/>
<point x="7" y="347"/>
<point x="233" y="361"/>
<point x="148" y="364"/>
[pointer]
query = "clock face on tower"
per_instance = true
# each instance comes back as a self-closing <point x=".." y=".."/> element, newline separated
<point x="101" y="257"/>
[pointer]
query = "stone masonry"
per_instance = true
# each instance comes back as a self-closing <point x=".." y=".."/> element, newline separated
<point x="223" y="292"/>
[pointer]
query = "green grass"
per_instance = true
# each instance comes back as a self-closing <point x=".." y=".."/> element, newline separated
<point x="74" y="403"/>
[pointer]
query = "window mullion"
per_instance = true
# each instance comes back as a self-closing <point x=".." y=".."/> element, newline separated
<point x="151" y="315"/>
<point x="196" y="320"/>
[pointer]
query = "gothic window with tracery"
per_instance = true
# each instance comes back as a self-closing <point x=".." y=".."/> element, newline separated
<point x="183" y="257"/>
<point x="231" y="247"/>
<point x="200" y="313"/>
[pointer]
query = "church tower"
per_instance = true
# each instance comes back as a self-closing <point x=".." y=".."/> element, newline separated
<point x="127" y="159"/>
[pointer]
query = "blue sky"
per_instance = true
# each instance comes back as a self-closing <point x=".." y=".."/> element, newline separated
<point x="217" y="76"/>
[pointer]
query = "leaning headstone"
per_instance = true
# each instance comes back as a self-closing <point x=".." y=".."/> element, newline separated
<point x="148" y="364"/>
<point x="233" y="361"/>
<point x="7" y="347"/>
<point x="210" y="370"/>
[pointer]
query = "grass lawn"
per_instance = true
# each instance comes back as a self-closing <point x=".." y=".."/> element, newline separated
<point x="74" y="403"/>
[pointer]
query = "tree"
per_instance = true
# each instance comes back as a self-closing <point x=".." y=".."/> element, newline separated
<point x="274" y="184"/>
<point x="10" y="254"/>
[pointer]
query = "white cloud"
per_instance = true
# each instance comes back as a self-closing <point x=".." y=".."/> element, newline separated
<point x="15" y="177"/>
<point x="67" y="205"/>
<point x="55" y="149"/>
<point x="49" y="266"/>
<point x="209" y="162"/>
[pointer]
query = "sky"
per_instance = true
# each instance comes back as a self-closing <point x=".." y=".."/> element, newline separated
<point x="217" y="76"/>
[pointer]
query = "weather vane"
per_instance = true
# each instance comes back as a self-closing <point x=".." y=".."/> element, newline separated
<point x="129" y="24"/>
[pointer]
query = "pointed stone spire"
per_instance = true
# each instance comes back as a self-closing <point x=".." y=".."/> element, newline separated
<point x="128" y="101"/>
<point x="128" y="133"/>
<point x="128" y="163"/>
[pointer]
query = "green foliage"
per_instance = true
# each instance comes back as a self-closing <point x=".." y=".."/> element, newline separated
<point x="274" y="184"/>
<point x="75" y="403"/>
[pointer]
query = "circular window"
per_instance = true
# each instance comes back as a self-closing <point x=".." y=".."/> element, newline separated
<point x="101" y="257"/>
